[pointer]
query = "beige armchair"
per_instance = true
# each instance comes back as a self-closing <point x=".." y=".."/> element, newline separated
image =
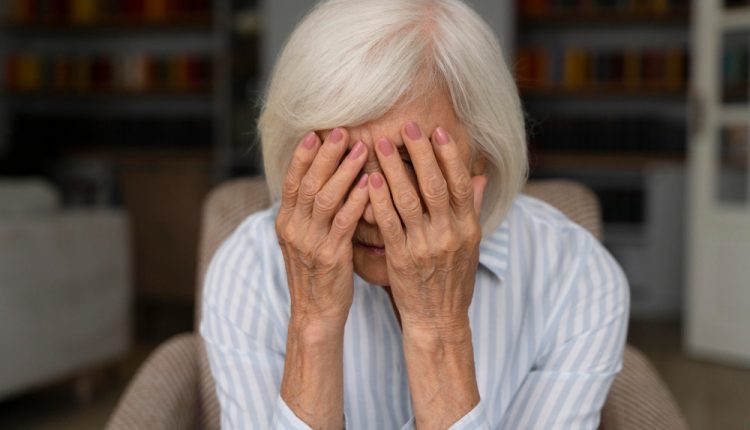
<point x="174" y="388"/>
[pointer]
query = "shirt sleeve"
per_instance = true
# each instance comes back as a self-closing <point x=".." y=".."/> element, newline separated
<point x="583" y="352"/>
<point x="244" y="326"/>
<point x="475" y="419"/>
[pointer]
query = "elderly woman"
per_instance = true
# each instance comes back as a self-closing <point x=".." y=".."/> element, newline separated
<point x="400" y="280"/>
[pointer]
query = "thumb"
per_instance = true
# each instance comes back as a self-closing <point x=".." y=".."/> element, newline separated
<point x="479" y="183"/>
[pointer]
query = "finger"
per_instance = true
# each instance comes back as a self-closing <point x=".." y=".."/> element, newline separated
<point x="432" y="184"/>
<point x="459" y="179"/>
<point x="346" y="219"/>
<point x="386" y="217"/>
<point x="479" y="183"/>
<point x="405" y="196"/>
<point x="298" y="167"/>
<point x="325" y="163"/>
<point x="329" y="199"/>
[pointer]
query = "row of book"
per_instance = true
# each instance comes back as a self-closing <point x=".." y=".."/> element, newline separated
<point x="136" y="73"/>
<point x="102" y="11"/>
<point x="609" y="135"/>
<point x="545" y="7"/>
<point x="572" y="68"/>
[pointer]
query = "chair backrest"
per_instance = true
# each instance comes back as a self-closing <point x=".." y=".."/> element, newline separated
<point x="227" y="205"/>
<point x="626" y="408"/>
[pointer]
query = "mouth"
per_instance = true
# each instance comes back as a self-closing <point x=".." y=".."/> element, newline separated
<point x="370" y="247"/>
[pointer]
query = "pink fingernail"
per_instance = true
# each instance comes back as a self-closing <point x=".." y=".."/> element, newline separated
<point x="336" y="135"/>
<point x="362" y="181"/>
<point x="385" y="146"/>
<point x="357" y="150"/>
<point x="376" y="180"/>
<point x="309" y="141"/>
<point x="442" y="136"/>
<point x="413" y="131"/>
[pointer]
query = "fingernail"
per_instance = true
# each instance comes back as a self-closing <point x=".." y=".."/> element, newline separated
<point x="357" y="150"/>
<point x="336" y="135"/>
<point x="309" y="140"/>
<point x="385" y="146"/>
<point x="362" y="181"/>
<point x="442" y="136"/>
<point x="376" y="180"/>
<point x="412" y="130"/>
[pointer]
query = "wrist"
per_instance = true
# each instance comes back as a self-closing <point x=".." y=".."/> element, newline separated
<point x="453" y="335"/>
<point x="312" y="331"/>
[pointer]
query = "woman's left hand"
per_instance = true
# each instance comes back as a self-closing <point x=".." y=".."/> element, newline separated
<point x="432" y="258"/>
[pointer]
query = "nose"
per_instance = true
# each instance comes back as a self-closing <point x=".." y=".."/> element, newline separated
<point x="371" y="165"/>
<point x="369" y="215"/>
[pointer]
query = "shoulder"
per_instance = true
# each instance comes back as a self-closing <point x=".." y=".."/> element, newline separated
<point x="538" y="214"/>
<point x="551" y="243"/>
<point x="535" y="227"/>
<point x="250" y="247"/>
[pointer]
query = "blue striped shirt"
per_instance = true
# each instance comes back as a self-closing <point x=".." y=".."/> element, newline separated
<point x="548" y="320"/>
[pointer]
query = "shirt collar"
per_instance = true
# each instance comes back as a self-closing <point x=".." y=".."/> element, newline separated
<point x="494" y="250"/>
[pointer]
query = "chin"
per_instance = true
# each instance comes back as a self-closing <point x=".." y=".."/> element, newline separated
<point x="371" y="268"/>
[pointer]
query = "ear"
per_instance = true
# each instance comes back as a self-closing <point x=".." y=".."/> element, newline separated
<point x="479" y="164"/>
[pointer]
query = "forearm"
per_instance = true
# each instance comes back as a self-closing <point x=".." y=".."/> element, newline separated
<point x="442" y="378"/>
<point x="312" y="384"/>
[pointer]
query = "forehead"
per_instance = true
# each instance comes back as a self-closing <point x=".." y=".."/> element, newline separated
<point x="429" y="111"/>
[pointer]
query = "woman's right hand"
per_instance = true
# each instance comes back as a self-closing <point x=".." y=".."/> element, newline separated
<point x="315" y="225"/>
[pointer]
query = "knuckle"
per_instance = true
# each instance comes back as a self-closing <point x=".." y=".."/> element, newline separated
<point x="342" y="222"/>
<point x="435" y="188"/>
<point x="390" y="225"/>
<point x="474" y="233"/>
<point x="324" y="202"/>
<point x="289" y="188"/>
<point x="288" y="233"/>
<point x="463" y="188"/>
<point x="307" y="188"/>
<point x="408" y="201"/>
<point x="449" y="243"/>
<point x="422" y="250"/>
<point x="326" y="256"/>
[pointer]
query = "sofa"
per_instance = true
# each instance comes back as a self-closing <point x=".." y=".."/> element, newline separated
<point x="65" y="286"/>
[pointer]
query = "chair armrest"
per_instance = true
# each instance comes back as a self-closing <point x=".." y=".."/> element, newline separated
<point x="164" y="392"/>
<point x="639" y="398"/>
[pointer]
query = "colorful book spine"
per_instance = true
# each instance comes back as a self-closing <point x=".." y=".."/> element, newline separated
<point x="551" y="7"/>
<point x="578" y="68"/>
<point x="86" y="12"/>
<point x="132" y="73"/>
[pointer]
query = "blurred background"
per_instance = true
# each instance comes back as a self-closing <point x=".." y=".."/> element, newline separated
<point x="118" y="116"/>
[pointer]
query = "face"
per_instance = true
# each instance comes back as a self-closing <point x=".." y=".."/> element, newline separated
<point x="429" y="113"/>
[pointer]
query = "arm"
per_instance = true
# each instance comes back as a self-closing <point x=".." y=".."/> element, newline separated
<point x="244" y="331"/>
<point x="441" y="377"/>
<point x="432" y="261"/>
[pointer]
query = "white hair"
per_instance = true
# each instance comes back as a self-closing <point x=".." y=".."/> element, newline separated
<point x="349" y="62"/>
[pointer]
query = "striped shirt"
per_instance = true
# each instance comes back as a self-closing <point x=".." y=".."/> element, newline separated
<point x="548" y="321"/>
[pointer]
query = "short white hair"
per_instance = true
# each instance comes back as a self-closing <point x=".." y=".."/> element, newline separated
<point x="348" y="62"/>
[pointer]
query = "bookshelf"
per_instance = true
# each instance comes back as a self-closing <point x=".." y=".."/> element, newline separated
<point x="140" y="104"/>
<point x="604" y="84"/>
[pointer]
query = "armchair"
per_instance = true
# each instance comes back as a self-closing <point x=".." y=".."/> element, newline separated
<point x="174" y="388"/>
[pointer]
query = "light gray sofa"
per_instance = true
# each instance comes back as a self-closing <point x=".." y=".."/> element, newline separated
<point x="65" y="288"/>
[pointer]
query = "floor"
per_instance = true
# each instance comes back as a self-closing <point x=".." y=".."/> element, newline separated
<point x="711" y="396"/>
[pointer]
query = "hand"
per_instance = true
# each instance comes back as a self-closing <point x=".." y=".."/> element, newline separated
<point x="315" y="227"/>
<point x="431" y="259"/>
